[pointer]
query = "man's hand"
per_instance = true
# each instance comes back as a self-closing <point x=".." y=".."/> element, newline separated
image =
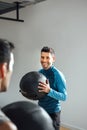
<point x="44" y="87"/>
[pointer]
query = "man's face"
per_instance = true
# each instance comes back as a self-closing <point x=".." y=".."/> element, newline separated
<point x="7" y="74"/>
<point x="46" y="60"/>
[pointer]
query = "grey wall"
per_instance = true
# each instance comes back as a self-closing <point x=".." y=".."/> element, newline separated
<point x="61" y="24"/>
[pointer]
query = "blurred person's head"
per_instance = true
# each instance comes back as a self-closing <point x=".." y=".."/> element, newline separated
<point x="6" y="63"/>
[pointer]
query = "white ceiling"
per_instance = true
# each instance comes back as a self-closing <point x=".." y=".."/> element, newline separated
<point x="11" y="1"/>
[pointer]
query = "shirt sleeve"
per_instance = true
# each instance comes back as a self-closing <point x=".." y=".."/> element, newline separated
<point x="3" y="117"/>
<point x="61" y="94"/>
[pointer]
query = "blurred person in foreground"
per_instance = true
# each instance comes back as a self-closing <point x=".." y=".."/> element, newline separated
<point x="6" y="68"/>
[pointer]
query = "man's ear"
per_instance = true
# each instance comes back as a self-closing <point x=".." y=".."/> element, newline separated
<point x="3" y="70"/>
<point x="54" y="58"/>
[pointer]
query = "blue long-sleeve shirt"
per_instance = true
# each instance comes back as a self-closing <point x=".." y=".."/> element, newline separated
<point x="51" y="102"/>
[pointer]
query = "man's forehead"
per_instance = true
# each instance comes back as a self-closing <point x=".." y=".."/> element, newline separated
<point x="46" y="54"/>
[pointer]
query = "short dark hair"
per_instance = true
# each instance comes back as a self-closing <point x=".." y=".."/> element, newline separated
<point x="6" y="48"/>
<point x="48" y="49"/>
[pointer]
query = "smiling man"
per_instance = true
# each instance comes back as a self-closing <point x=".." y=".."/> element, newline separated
<point x="55" y="88"/>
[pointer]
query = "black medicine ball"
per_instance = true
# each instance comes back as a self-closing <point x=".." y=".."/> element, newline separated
<point x="29" y="85"/>
<point x="28" y="116"/>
